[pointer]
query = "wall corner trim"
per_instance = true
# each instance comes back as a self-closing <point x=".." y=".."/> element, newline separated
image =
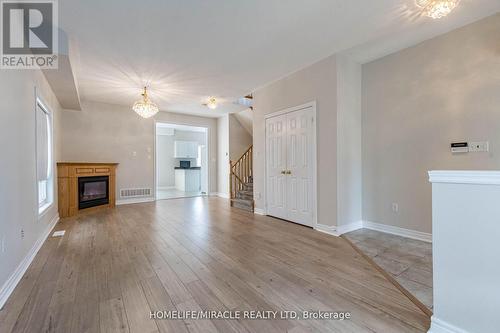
<point x="259" y="211"/>
<point x="339" y="230"/>
<point x="327" y="229"/>
<point x="343" y="229"/>
<point x="408" y="233"/>
<point x="11" y="283"/>
<point x="441" y="326"/>
<point x="465" y="177"/>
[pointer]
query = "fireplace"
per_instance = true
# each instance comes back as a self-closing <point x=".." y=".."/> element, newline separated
<point x="93" y="191"/>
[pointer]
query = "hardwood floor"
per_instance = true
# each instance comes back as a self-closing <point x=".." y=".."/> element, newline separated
<point x="113" y="267"/>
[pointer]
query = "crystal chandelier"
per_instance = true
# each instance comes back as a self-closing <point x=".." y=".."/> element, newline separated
<point x="437" y="8"/>
<point x="145" y="108"/>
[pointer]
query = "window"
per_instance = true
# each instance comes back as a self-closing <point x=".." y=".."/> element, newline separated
<point x="44" y="157"/>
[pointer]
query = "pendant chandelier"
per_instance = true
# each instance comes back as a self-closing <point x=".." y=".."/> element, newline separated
<point x="144" y="107"/>
<point x="437" y="9"/>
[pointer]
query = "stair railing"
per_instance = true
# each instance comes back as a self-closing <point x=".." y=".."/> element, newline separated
<point x="240" y="172"/>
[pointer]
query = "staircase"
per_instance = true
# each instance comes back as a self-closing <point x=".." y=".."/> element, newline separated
<point x="241" y="181"/>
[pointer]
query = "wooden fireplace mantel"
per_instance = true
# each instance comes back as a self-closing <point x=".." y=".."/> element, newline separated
<point x="67" y="184"/>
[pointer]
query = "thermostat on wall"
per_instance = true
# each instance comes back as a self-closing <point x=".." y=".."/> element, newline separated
<point x="459" y="147"/>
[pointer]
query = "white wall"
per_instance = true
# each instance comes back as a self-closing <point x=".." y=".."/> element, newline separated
<point x="415" y="103"/>
<point x="465" y="248"/>
<point x="18" y="187"/>
<point x="223" y="155"/>
<point x="317" y="82"/>
<point x="239" y="139"/>
<point x="166" y="161"/>
<point x="349" y="169"/>
<point x="245" y="118"/>
<point x="105" y="132"/>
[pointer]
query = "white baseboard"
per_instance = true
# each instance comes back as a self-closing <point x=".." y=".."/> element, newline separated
<point x="340" y="230"/>
<point x="11" y="283"/>
<point x="165" y="188"/>
<point x="441" y="326"/>
<point x="408" y="233"/>
<point x="259" y="211"/>
<point x="134" y="201"/>
<point x="327" y="229"/>
<point x="220" y="195"/>
<point x="343" y="229"/>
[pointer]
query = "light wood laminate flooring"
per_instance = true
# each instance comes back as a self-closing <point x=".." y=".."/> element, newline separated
<point x="113" y="267"/>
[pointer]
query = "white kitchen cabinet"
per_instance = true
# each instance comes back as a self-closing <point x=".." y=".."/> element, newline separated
<point x="188" y="180"/>
<point x="185" y="149"/>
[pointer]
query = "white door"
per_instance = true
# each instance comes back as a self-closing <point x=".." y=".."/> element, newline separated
<point x="276" y="166"/>
<point x="290" y="166"/>
<point x="299" y="178"/>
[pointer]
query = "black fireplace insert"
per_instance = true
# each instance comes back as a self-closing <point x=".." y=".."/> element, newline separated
<point x="93" y="191"/>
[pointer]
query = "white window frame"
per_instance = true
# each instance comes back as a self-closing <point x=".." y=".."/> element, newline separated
<point x="44" y="205"/>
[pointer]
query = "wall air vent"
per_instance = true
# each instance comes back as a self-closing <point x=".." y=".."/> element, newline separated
<point x="135" y="192"/>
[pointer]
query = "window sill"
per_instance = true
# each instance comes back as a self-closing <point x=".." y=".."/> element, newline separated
<point x="42" y="210"/>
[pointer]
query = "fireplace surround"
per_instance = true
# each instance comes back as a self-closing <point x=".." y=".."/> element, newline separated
<point x="85" y="186"/>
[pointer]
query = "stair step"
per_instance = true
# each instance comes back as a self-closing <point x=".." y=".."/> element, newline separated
<point x="244" y="196"/>
<point x="246" y="192"/>
<point x="243" y="204"/>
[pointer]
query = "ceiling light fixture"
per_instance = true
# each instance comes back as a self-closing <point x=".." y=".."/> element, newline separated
<point x="144" y="107"/>
<point x="212" y="103"/>
<point x="437" y="9"/>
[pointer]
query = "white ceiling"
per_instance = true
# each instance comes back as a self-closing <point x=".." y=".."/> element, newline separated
<point x="187" y="50"/>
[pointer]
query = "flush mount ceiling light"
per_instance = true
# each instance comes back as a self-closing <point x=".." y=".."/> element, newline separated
<point x="211" y="103"/>
<point x="437" y="9"/>
<point x="144" y="107"/>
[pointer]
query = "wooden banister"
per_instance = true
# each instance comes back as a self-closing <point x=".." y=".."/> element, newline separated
<point x="240" y="172"/>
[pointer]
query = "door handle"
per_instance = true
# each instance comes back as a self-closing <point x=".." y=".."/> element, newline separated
<point x="283" y="172"/>
<point x="288" y="172"/>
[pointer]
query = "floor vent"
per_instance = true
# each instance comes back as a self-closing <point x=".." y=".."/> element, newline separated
<point x="59" y="233"/>
<point x="135" y="192"/>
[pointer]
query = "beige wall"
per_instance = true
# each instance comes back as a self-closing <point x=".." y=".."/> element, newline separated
<point x="349" y="170"/>
<point x="223" y="155"/>
<point x="105" y="132"/>
<point x="18" y="186"/>
<point x="415" y="103"/>
<point x="239" y="139"/>
<point x="317" y="82"/>
<point x="165" y="162"/>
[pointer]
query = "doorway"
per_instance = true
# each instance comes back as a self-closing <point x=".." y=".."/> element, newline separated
<point x="291" y="164"/>
<point x="181" y="161"/>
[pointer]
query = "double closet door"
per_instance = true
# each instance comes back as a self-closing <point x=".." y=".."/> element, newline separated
<point x="290" y="147"/>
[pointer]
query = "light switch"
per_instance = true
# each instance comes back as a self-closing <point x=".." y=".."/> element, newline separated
<point x="479" y="146"/>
